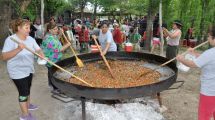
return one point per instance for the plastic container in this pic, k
(128, 47)
(41, 61)
(185, 43)
(183, 67)
(94, 49)
(192, 43)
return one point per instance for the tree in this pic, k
(52, 7)
(5, 16)
(197, 13)
(7, 9)
(152, 10)
(160, 27)
(100, 3)
(204, 4)
(96, 4)
(81, 5)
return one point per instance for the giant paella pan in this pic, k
(127, 66)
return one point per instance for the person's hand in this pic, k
(61, 30)
(41, 54)
(190, 50)
(68, 43)
(94, 37)
(165, 31)
(21, 46)
(179, 57)
(103, 53)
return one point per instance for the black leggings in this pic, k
(23, 86)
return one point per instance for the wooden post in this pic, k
(160, 26)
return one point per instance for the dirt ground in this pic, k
(182, 103)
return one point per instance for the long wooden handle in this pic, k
(171, 60)
(70, 45)
(184, 53)
(52, 63)
(104, 58)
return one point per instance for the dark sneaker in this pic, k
(32, 107)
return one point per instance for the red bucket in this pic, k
(192, 43)
(94, 48)
(128, 47)
(185, 42)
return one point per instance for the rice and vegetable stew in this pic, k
(125, 72)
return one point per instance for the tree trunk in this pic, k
(38, 8)
(5, 18)
(7, 12)
(202, 32)
(149, 29)
(82, 6)
(82, 12)
(160, 27)
(95, 9)
(23, 4)
(42, 16)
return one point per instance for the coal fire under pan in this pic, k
(167, 79)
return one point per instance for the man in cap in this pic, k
(173, 38)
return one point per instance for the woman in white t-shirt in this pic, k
(20, 63)
(106, 39)
(205, 61)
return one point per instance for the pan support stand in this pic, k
(162, 107)
(83, 106)
(159, 99)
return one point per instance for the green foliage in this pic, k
(32, 10)
(196, 12)
(199, 13)
(52, 7)
(16, 8)
(79, 3)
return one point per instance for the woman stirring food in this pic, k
(20, 64)
(53, 49)
(205, 61)
(106, 39)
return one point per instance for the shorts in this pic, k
(23, 85)
(156, 41)
(206, 107)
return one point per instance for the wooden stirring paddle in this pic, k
(78, 61)
(143, 74)
(104, 58)
(53, 63)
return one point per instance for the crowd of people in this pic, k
(111, 35)
(124, 31)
